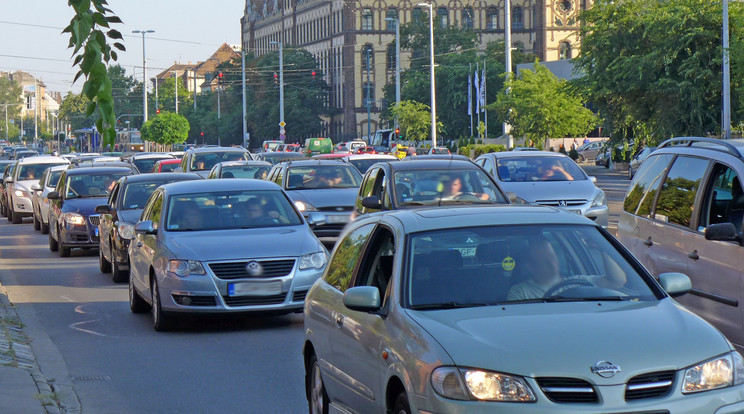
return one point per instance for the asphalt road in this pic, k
(614, 184)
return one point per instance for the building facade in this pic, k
(354, 41)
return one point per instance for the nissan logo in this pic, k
(605, 369)
(254, 268)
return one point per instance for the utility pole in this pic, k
(175, 79)
(144, 80)
(397, 63)
(281, 88)
(245, 122)
(366, 98)
(431, 74)
(726, 118)
(508, 64)
(36, 110)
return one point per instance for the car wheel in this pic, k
(136, 303)
(2, 208)
(64, 251)
(160, 320)
(630, 172)
(53, 245)
(44, 227)
(16, 218)
(118, 275)
(37, 225)
(317, 398)
(401, 404)
(103, 264)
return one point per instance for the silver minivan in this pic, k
(683, 213)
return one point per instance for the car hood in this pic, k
(129, 216)
(243, 243)
(25, 185)
(551, 190)
(326, 197)
(567, 339)
(83, 206)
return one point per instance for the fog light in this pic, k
(186, 301)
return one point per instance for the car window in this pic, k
(114, 195)
(344, 260)
(146, 164)
(53, 178)
(369, 182)
(677, 195)
(497, 264)
(156, 210)
(279, 176)
(205, 161)
(363, 164)
(642, 191)
(322, 176)
(32, 171)
(136, 194)
(724, 199)
(245, 171)
(430, 187)
(531, 169)
(97, 185)
(376, 268)
(168, 167)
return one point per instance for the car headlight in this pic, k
(599, 200)
(313, 261)
(22, 193)
(185, 268)
(303, 206)
(466, 384)
(720, 372)
(126, 230)
(74, 219)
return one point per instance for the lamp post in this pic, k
(144, 71)
(508, 64)
(726, 116)
(281, 87)
(431, 72)
(397, 63)
(175, 76)
(242, 73)
(368, 101)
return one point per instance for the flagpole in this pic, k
(477, 97)
(485, 110)
(470, 97)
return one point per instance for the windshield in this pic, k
(169, 167)
(363, 164)
(32, 171)
(432, 187)
(145, 165)
(522, 263)
(530, 169)
(258, 172)
(323, 176)
(91, 185)
(53, 178)
(230, 210)
(207, 160)
(136, 194)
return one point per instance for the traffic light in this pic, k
(219, 78)
(313, 73)
(276, 78)
(397, 132)
(202, 133)
(157, 111)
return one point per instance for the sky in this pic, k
(185, 31)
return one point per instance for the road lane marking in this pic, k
(77, 328)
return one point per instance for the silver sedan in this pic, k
(221, 246)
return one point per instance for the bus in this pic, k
(384, 140)
(130, 141)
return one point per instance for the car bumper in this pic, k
(79, 236)
(23, 206)
(211, 294)
(121, 255)
(334, 225)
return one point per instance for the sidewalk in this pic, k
(23, 390)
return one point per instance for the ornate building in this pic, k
(339, 33)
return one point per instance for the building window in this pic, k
(367, 19)
(492, 18)
(467, 18)
(391, 57)
(517, 18)
(369, 94)
(442, 17)
(391, 14)
(368, 58)
(564, 51)
(417, 15)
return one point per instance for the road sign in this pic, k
(282, 130)
(282, 137)
(282, 124)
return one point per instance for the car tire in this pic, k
(401, 404)
(53, 245)
(630, 173)
(37, 225)
(161, 321)
(17, 219)
(103, 265)
(117, 275)
(136, 303)
(64, 251)
(317, 397)
(44, 227)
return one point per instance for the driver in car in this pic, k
(453, 190)
(544, 276)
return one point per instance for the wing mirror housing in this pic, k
(722, 232)
(103, 209)
(372, 202)
(8, 180)
(35, 187)
(363, 298)
(145, 227)
(53, 195)
(675, 284)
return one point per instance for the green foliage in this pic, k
(539, 106)
(92, 52)
(166, 128)
(486, 149)
(414, 119)
(74, 108)
(481, 129)
(10, 95)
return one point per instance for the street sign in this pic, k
(282, 131)
(282, 137)
(282, 124)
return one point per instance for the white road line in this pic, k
(75, 327)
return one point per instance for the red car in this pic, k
(365, 150)
(166, 165)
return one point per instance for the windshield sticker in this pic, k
(508, 263)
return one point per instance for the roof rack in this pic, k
(723, 146)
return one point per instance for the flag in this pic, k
(470, 96)
(482, 91)
(476, 85)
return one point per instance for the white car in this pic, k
(362, 162)
(28, 171)
(39, 200)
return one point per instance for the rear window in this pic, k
(531, 169)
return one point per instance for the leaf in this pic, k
(114, 19)
(114, 56)
(114, 34)
(120, 46)
(90, 108)
(100, 20)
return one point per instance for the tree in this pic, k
(414, 119)
(10, 95)
(166, 128)
(540, 106)
(653, 67)
(73, 108)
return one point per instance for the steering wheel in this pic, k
(466, 197)
(567, 284)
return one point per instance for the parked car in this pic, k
(683, 212)
(548, 178)
(451, 311)
(201, 160)
(162, 166)
(439, 150)
(221, 246)
(589, 151)
(240, 169)
(146, 161)
(637, 160)
(603, 157)
(28, 171)
(72, 220)
(362, 162)
(325, 186)
(404, 185)
(119, 215)
(39, 200)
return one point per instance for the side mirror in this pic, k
(103, 209)
(512, 196)
(53, 195)
(675, 284)
(8, 180)
(372, 202)
(145, 227)
(316, 219)
(593, 179)
(362, 298)
(722, 232)
(35, 187)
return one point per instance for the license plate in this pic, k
(467, 251)
(269, 288)
(337, 219)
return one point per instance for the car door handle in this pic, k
(693, 255)
(648, 242)
(339, 320)
(139, 244)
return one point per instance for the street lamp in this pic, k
(144, 71)
(367, 98)
(219, 113)
(175, 75)
(431, 72)
(397, 63)
(726, 118)
(281, 89)
(508, 64)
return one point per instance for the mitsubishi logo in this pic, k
(605, 369)
(254, 268)
(562, 203)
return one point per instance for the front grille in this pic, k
(567, 390)
(79, 238)
(299, 296)
(651, 385)
(557, 203)
(336, 208)
(254, 300)
(195, 300)
(238, 270)
(94, 220)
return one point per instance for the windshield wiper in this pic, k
(448, 305)
(586, 299)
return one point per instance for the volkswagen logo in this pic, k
(562, 203)
(605, 369)
(254, 268)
